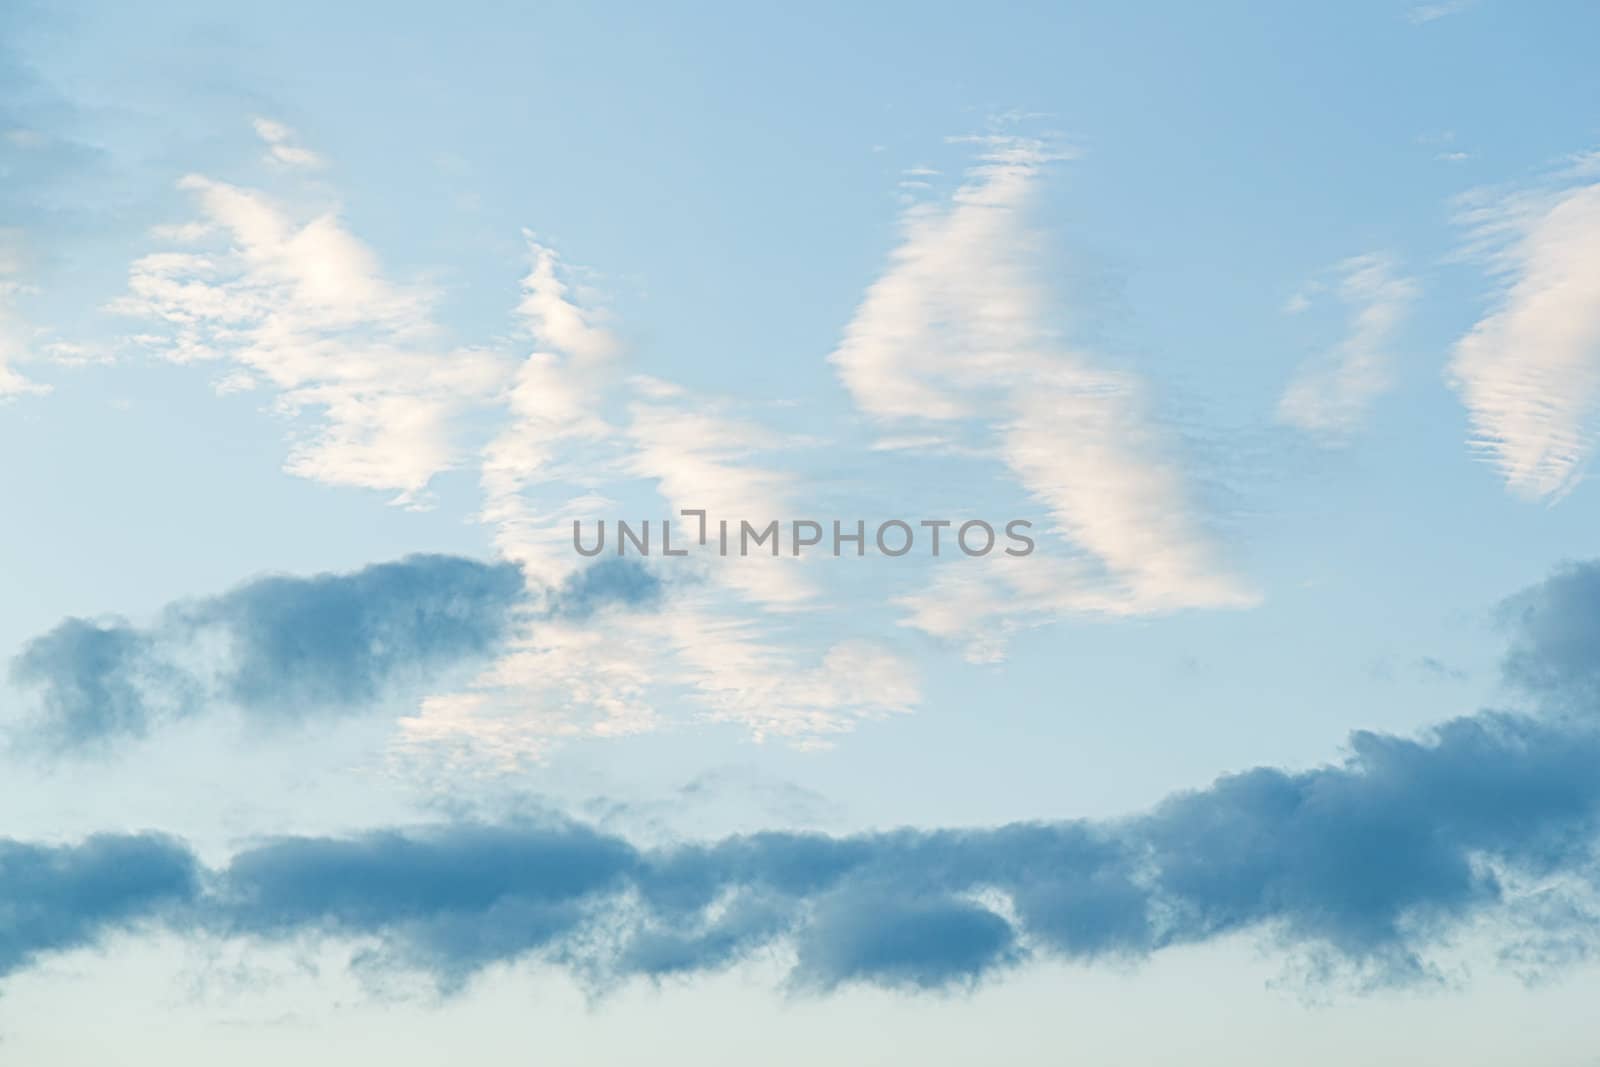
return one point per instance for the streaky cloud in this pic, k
(1330, 396)
(960, 331)
(1529, 369)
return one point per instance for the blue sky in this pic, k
(321, 324)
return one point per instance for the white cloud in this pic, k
(955, 337)
(14, 348)
(1298, 303)
(769, 690)
(302, 305)
(959, 329)
(701, 458)
(712, 649)
(15, 335)
(553, 403)
(631, 673)
(980, 607)
(282, 147)
(1331, 394)
(1529, 370)
(957, 316)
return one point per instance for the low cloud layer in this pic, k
(283, 647)
(1367, 867)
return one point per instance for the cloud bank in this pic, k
(1366, 867)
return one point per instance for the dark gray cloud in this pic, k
(95, 680)
(340, 640)
(608, 583)
(283, 647)
(1368, 866)
(61, 897)
(277, 646)
(1556, 632)
(891, 939)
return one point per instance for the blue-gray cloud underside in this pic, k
(284, 647)
(1368, 865)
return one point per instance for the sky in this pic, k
(1241, 360)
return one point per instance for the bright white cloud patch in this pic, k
(1332, 394)
(960, 329)
(301, 305)
(1529, 370)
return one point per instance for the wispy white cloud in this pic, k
(960, 330)
(283, 146)
(1529, 370)
(14, 348)
(956, 318)
(301, 305)
(15, 334)
(955, 342)
(553, 402)
(703, 458)
(758, 684)
(575, 425)
(694, 661)
(1300, 301)
(1332, 394)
